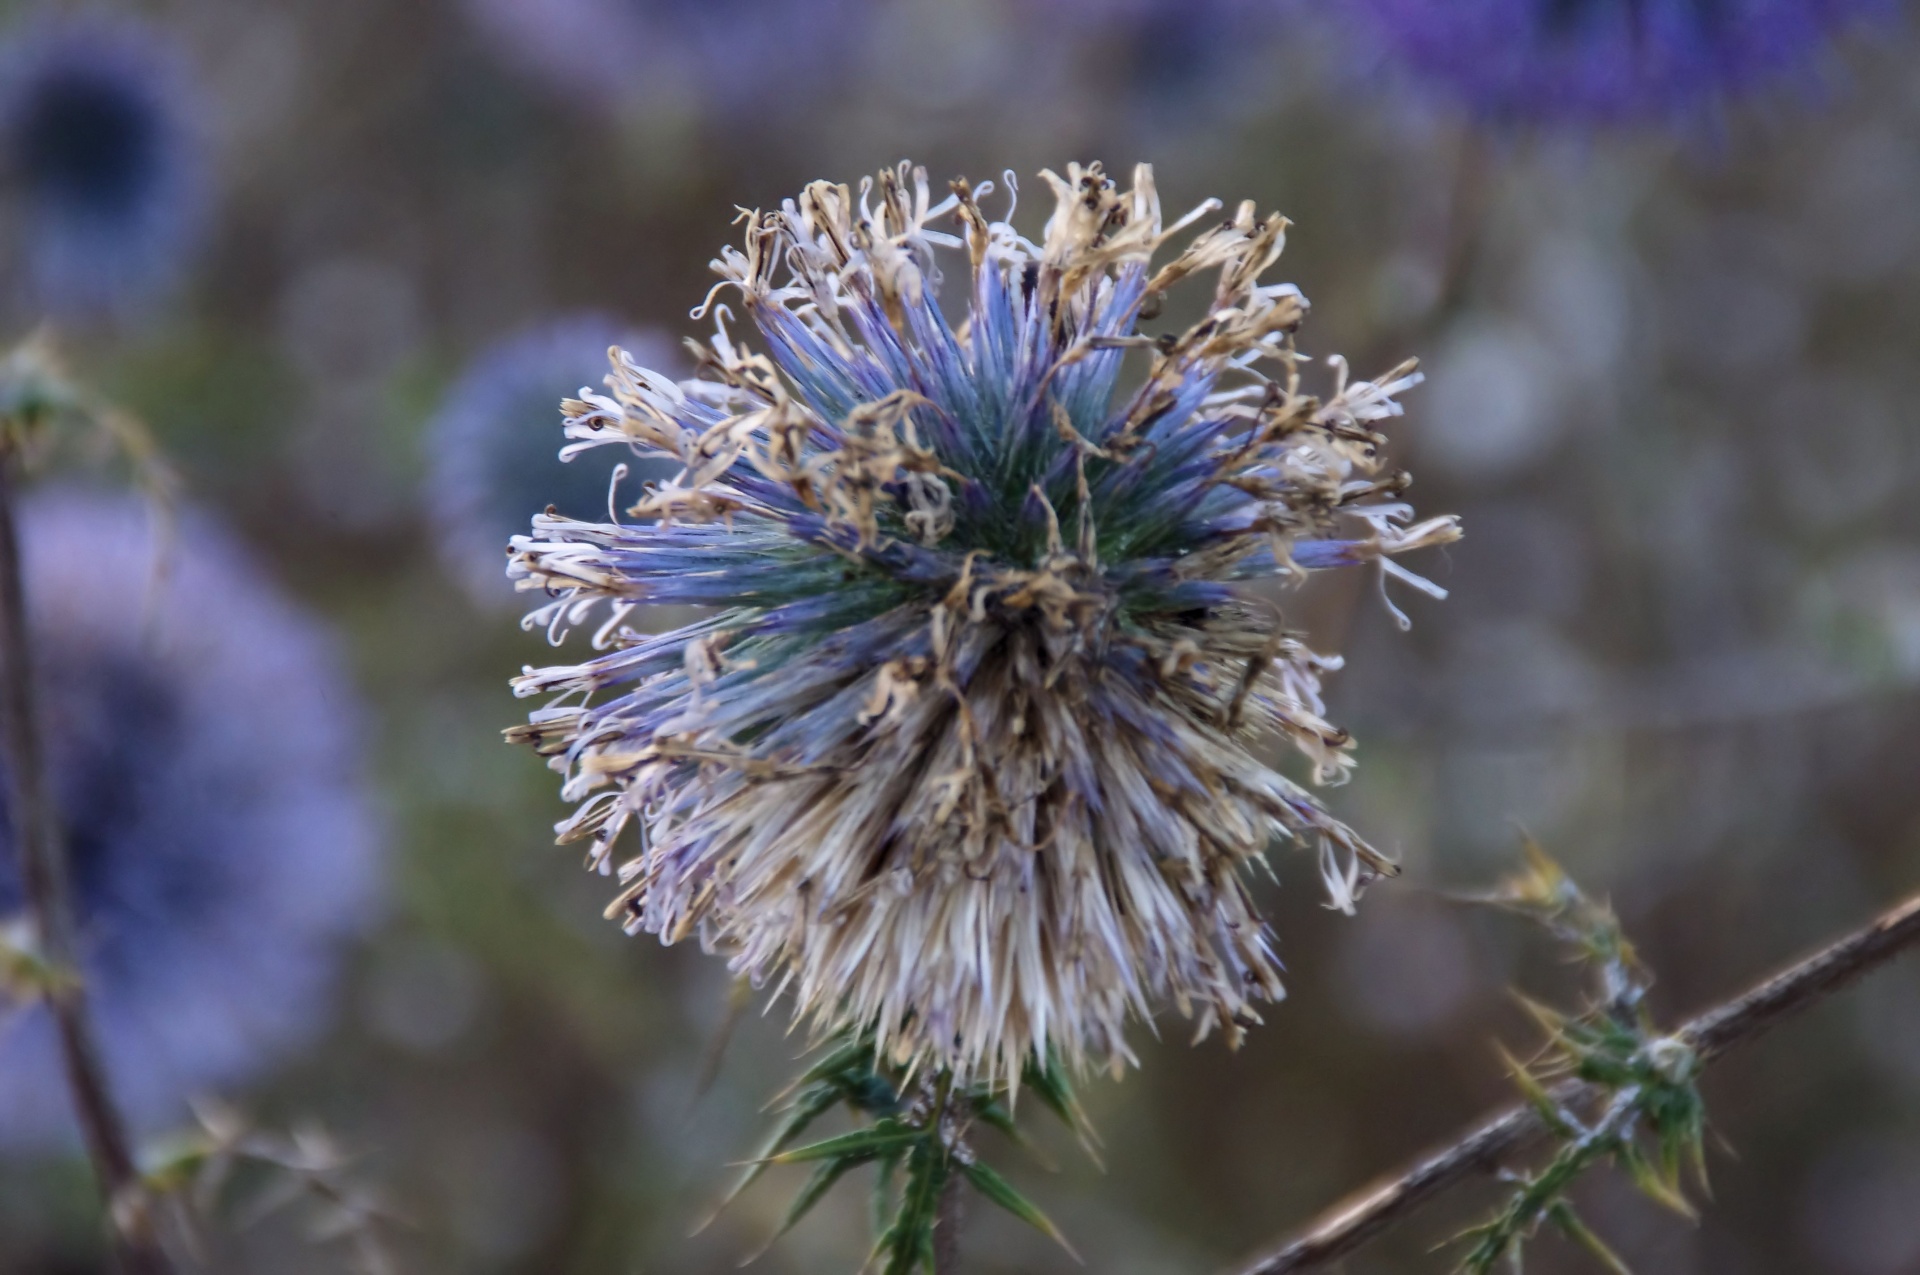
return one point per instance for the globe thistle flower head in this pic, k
(1605, 61)
(969, 754)
(491, 448)
(99, 155)
(201, 749)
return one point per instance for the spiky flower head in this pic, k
(98, 152)
(202, 748)
(971, 753)
(1603, 60)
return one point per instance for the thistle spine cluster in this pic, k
(968, 754)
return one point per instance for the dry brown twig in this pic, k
(37, 841)
(35, 392)
(1353, 1222)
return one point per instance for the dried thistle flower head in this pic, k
(969, 756)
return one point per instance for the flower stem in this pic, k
(946, 1232)
(1351, 1223)
(37, 841)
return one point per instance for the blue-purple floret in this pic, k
(988, 417)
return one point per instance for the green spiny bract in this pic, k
(1638, 1086)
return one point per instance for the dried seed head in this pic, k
(968, 755)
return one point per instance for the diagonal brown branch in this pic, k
(37, 842)
(1353, 1222)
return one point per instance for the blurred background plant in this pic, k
(220, 842)
(1671, 393)
(102, 162)
(486, 468)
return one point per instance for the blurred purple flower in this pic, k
(493, 446)
(1172, 58)
(728, 53)
(97, 152)
(1602, 60)
(203, 749)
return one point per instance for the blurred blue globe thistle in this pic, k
(975, 752)
(1602, 60)
(98, 155)
(1176, 62)
(203, 747)
(491, 445)
(725, 54)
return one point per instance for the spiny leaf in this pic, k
(1546, 870)
(1561, 1214)
(887, 1135)
(1614, 1046)
(883, 1192)
(1049, 1081)
(806, 1108)
(1539, 889)
(836, 1061)
(1550, 1020)
(1655, 1185)
(1492, 1242)
(994, 1114)
(908, 1240)
(817, 1185)
(1697, 1158)
(1670, 1151)
(1536, 1095)
(1001, 1192)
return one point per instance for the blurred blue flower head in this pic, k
(1176, 64)
(1604, 60)
(493, 450)
(100, 160)
(202, 746)
(974, 751)
(724, 54)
